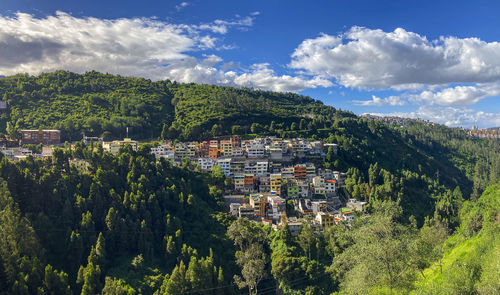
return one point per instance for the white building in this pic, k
(114, 146)
(225, 165)
(234, 209)
(287, 173)
(256, 150)
(330, 186)
(206, 164)
(356, 205)
(277, 207)
(318, 185)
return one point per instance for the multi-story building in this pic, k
(256, 150)
(114, 146)
(330, 187)
(356, 205)
(226, 147)
(310, 170)
(340, 177)
(237, 166)
(325, 219)
(300, 171)
(315, 147)
(325, 173)
(239, 182)
(234, 209)
(275, 182)
(262, 167)
(275, 154)
(318, 184)
(158, 150)
(47, 137)
(275, 167)
(204, 148)
(183, 150)
(287, 173)
(238, 152)
(277, 207)
(334, 147)
(279, 144)
(258, 203)
(303, 188)
(250, 183)
(246, 210)
(225, 165)
(264, 183)
(206, 164)
(213, 149)
(250, 167)
(292, 188)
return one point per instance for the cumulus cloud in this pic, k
(263, 77)
(368, 58)
(377, 101)
(143, 47)
(458, 95)
(259, 76)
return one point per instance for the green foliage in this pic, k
(378, 258)
(250, 256)
(471, 261)
(146, 227)
(122, 207)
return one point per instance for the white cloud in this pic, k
(451, 116)
(222, 26)
(458, 95)
(143, 47)
(265, 78)
(377, 101)
(366, 58)
(124, 46)
(181, 5)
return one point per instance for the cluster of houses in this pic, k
(395, 120)
(260, 165)
(492, 133)
(271, 209)
(266, 173)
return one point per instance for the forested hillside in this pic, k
(102, 104)
(423, 163)
(128, 224)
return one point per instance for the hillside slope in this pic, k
(423, 163)
(471, 265)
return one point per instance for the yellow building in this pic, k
(276, 182)
(226, 147)
(325, 219)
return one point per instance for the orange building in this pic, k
(300, 171)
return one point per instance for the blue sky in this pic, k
(437, 60)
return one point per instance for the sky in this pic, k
(434, 60)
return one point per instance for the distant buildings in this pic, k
(46, 137)
(114, 146)
(493, 133)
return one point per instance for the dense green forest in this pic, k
(131, 225)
